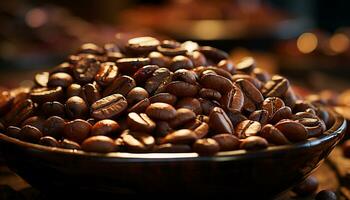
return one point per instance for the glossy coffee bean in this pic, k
(247, 128)
(161, 111)
(219, 71)
(290, 98)
(53, 108)
(136, 95)
(90, 48)
(307, 187)
(261, 75)
(252, 96)
(233, 100)
(172, 44)
(111, 47)
(121, 85)
(90, 93)
(49, 141)
(130, 65)
(157, 58)
(42, 95)
(77, 130)
(65, 67)
(19, 112)
(182, 89)
(173, 148)
(60, 79)
(109, 107)
(142, 45)
(138, 141)
(182, 116)
(140, 106)
(171, 51)
(206, 106)
(13, 131)
(206, 93)
(163, 98)
(144, 73)
(276, 87)
(54, 126)
(30, 134)
(36, 121)
(197, 58)
(201, 130)
(140, 122)
(73, 90)
(180, 62)
(105, 127)
(293, 131)
(206, 147)
(261, 116)
(226, 141)
(158, 77)
(68, 144)
(227, 65)
(271, 105)
(106, 74)
(86, 69)
(219, 121)
(216, 82)
(98, 144)
(253, 143)
(213, 54)
(182, 136)
(273, 135)
(76, 108)
(246, 65)
(41, 79)
(282, 113)
(190, 103)
(162, 128)
(326, 195)
(185, 76)
(257, 83)
(235, 117)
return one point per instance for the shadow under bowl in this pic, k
(256, 174)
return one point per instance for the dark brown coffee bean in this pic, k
(42, 95)
(140, 122)
(185, 76)
(249, 78)
(216, 82)
(19, 112)
(227, 142)
(182, 136)
(282, 113)
(159, 76)
(68, 144)
(86, 69)
(213, 54)
(219, 71)
(190, 46)
(13, 131)
(235, 117)
(121, 85)
(181, 89)
(219, 121)
(108, 107)
(233, 100)
(201, 130)
(294, 131)
(73, 90)
(91, 121)
(326, 195)
(302, 106)
(253, 143)
(137, 141)
(197, 58)
(111, 47)
(159, 59)
(114, 56)
(49, 141)
(170, 44)
(90, 93)
(261, 75)
(206, 93)
(77, 130)
(140, 106)
(273, 135)
(207, 105)
(190, 103)
(246, 65)
(247, 128)
(182, 116)
(271, 105)
(65, 67)
(42, 78)
(307, 187)
(131, 65)
(30, 134)
(252, 96)
(276, 87)
(162, 129)
(227, 65)
(164, 98)
(192, 125)
(98, 144)
(54, 126)
(90, 48)
(142, 45)
(105, 127)
(60, 79)
(36, 121)
(171, 51)
(180, 62)
(76, 107)
(161, 111)
(136, 95)
(172, 148)
(106, 74)
(206, 147)
(314, 125)
(144, 73)
(261, 116)
(53, 108)
(290, 98)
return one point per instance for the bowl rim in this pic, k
(335, 131)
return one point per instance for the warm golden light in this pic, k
(339, 43)
(36, 18)
(307, 42)
(208, 29)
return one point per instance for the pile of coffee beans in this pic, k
(150, 95)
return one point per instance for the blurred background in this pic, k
(308, 41)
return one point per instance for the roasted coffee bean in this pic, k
(182, 116)
(19, 112)
(90, 93)
(73, 90)
(227, 142)
(90, 48)
(77, 130)
(121, 85)
(65, 67)
(60, 79)
(290, 98)
(313, 125)
(246, 65)
(161, 111)
(190, 46)
(302, 106)
(108, 107)
(13, 131)
(219, 71)
(130, 65)
(163, 98)
(307, 187)
(207, 105)
(201, 130)
(162, 129)
(252, 96)
(140, 122)
(235, 117)
(86, 69)
(106, 74)
(49, 141)
(140, 106)
(30, 134)
(114, 56)
(105, 127)
(273, 135)
(99, 144)
(91, 121)
(234, 99)
(76, 108)
(158, 77)
(294, 131)
(249, 78)
(144, 73)
(185, 76)
(54, 126)
(35, 121)
(206, 147)
(53, 108)
(282, 113)
(181, 89)
(192, 125)
(158, 59)
(213, 54)
(247, 128)
(227, 65)
(253, 143)
(219, 121)
(190, 103)
(180, 62)
(182, 136)
(271, 105)
(111, 47)
(142, 45)
(172, 148)
(136, 95)
(68, 144)
(197, 58)
(216, 82)
(261, 75)
(326, 195)
(276, 87)
(138, 141)
(167, 51)
(206, 93)
(42, 95)
(41, 79)
(261, 116)
(170, 44)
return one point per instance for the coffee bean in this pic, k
(170, 44)
(19, 112)
(219, 71)
(121, 85)
(185, 76)
(290, 98)
(142, 45)
(140, 122)
(190, 103)
(111, 47)
(234, 99)
(49, 141)
(271, 105)
(326, 195)
(201, 130)
(261, 116)
(313, 124)
(216, 82)
(90, 48)
(253, 143)
(209, 94)
(90, 93)
(91, 121)
(36, 121)
(53, 108)
(159, 59)
(68, 144)
(140, 106)
(227, 142)
(261, 75)
(77, 130)
(206, 147)
(54, 126)
(246, 65)
(108, 107)
(219, 121)
(167, 51)
(235, 117)
(249, 78)
(197, 58)
(99, 144)
(180, 62)
(307, 187)
(105, 127)
(190, 46)
(13, 131)
(273, 135)
(162, 128)
(172, 148)
(182, 116)
(65, 67)
(76, 108)
(144, 73)
(30, 134)
(213, 54)
(282, 113)
(106, 74)
(42, 95)
(227, 65)
(137, 141)
(131, 65)
(86, 69)
(276, 87)
(182, 136)
(207, 105)
(252, 96)
(161, 111)
(294, 131)
(158, 77)
(41, 79)
(163, 98)
(135, 95)
(60, 79)
(247, 128)
(73, 90)
(181, 89)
